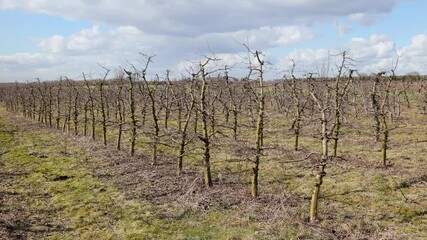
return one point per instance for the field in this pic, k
(102, 159)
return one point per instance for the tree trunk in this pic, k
(259, 126)
(103, 114)
(321, 173)
(205, 138)
(132, 115)
(384, 142)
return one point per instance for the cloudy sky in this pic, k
(47, 39)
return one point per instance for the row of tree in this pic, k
(176, 114)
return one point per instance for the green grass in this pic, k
(90, 209)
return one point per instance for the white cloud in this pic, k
(376, 46)
(342, 29)
(290, 35)
(123, 43)
(191, 18)
(26, 60)
(24, 66)
(413, 58)
(87, 40)
(180, 30)
(373, 54)
(417, 47)
(262, 37)
(93, 41)
(362, 18)
(308, 56)
(307, 60)
(54, 44)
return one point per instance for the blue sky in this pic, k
(21, 29)
(47, 39)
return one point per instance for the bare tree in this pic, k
(151, 91)
(76, 109)
(102, 105)
(300, 103)
(324, 110)
(339, 93)
(205, 138)
(258, 68)
(91, 106)
(58, 103)
(384, 114)
(187, 107)
(235, 103)
(376, 105)
(132, 111)
(120, 111)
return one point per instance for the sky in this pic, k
(49, 39)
